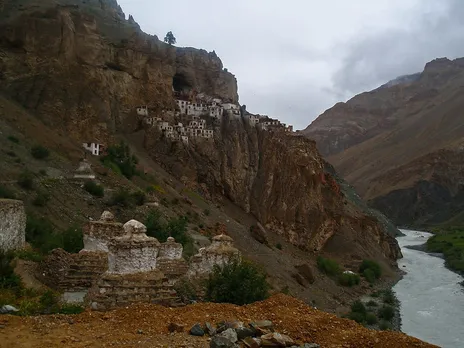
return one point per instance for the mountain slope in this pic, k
(408, 156)
(79, 70)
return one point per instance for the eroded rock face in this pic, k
(278, 177)
(12, 225)
(52, 53)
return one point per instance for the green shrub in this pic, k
(348, 279)
(73, 240)
(328, 266)
(70, 309)
(11, 153)
(175, 201)
(237, 283)
(358, 307)
(8, 278)
(372, 303)
(207, 212)
(161, 230)
(164, 201)
(186, 290)
(6, 193)
(279, 246)
(40, 152)
(41, 199)
(389, 297)
(120, 156)
(29, 255)
(139, 197)
(29, 307)
(43, 172)
(40, 233)
(385, 325)
(373, 266)
(371, 319)
(26, 180)
(122, 197)
(386, 312)
(369, 275)
(94, 189)
(13, 139)
(356, 316)
(49, 301)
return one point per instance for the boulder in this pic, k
(307, 272)
(276, 339)
(8, 309)
(197, 330)
(259, 234)
(210, 329)
(251, 342)
(243, 332)
(230, 335)
(222, 342)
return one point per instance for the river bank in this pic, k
(431, 298)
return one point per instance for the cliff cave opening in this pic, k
(181, 84)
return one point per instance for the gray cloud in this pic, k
(294, 59)
(371, 60)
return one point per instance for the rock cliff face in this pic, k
(277, 177)
(82, 68)
(401, 145)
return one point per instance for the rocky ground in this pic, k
(148, 326)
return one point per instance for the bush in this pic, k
(389, 297)
(328, 266)
(279, 246)
(40, 234)
(8, 279)
(40, 152)
(41, 199)
(186, 290)
(13, 139)
(386, 312)
(6, 193)
(139, 197)
(120, 156)
(385, 325)
(11, 153)
(26, 180)
(29, 255)
(94, 189)
(122, 198)
(373, 266)
(369, 275)
(237, 283)
(70, 309)
(49, 301)
(175, 201)
(207, 212)
(72, 240)
(175, 227)
(372, 303)
(348, 279)
(357, 317)
(358, 307)
(371, 319)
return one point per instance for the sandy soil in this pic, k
(146, 326)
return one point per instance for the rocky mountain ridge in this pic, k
(79, 70)
(393, 142)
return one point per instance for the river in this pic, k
(432, 300)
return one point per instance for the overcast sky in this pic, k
(293, 59)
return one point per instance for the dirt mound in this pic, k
(147, 326)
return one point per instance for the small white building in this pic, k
(183, 105)
(207, 133)
(184, 139)
(216, 112)
(254, 120)
(94, 148)
(142, 110)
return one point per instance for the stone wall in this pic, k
(98, 234)
(12, 225)
(120, 264)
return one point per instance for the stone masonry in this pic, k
(12, 225)
(120, 265)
